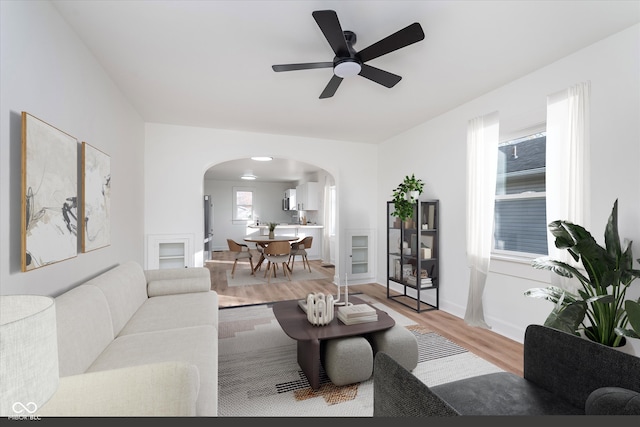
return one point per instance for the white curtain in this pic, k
(567, 165)
(482, 164)
(327, 220)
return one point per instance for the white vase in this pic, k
(413, 195)
(631, 346)
(320, 309)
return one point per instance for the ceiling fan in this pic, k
(349, 62)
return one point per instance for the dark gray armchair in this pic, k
(563, 375)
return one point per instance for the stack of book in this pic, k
(357, 313)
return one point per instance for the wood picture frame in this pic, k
(96, 198)
(49, 184)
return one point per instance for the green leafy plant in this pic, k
(411, 183)
(633, 314)
(403, 201)
(600, 310)
(272, 226)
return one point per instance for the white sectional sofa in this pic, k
(138, 343)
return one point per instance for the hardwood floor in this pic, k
(499, 350)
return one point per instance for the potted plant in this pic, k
(272, 227)
(600, 310)
(405, 196)
(633, 313)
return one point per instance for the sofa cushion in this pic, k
(125, 288)
(180, 273)
(84, 328)
(174, 311)
(175, 286)
(574, 368)
(613, 401)
(399, 393)
(196, 345)
(502, 393)
(155, 390)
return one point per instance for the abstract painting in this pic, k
(96, 196)
(49, 194)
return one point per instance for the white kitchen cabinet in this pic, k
(308, 196)
(169, 251)
(300, 196)
(290, 203)
(360, 252)
(315, 252)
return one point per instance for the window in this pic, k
(520, 223)
(332, 210)
(242, 204)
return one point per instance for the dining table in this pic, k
(263, 241)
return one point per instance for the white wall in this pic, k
(48, 72)
(438, 153)
(176, 158)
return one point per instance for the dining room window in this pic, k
(242, 203)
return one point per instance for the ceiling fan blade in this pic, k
(306, 66)
(406, 36)
(328, 22)
(379, 76)
(332, 87)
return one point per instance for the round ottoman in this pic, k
(399, 343)
(348, 360)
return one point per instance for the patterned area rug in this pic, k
(259, 376)
(243, 277)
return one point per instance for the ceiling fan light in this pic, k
(347, 69)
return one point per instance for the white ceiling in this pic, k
(208, 63)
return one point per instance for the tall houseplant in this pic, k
(404, 196)
(600, 310)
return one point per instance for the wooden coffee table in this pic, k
(295, 324)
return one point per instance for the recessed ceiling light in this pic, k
(262, 158)
(248, 174)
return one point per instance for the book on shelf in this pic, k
(431, 216)
(359, 319)
(356, 310)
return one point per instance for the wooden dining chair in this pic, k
(277, 253)
(299, 248)
(260, 250)
(240, 251)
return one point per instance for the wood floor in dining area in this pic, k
(497, 349)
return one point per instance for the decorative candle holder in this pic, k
(320, 309)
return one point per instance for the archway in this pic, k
(271, 181)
